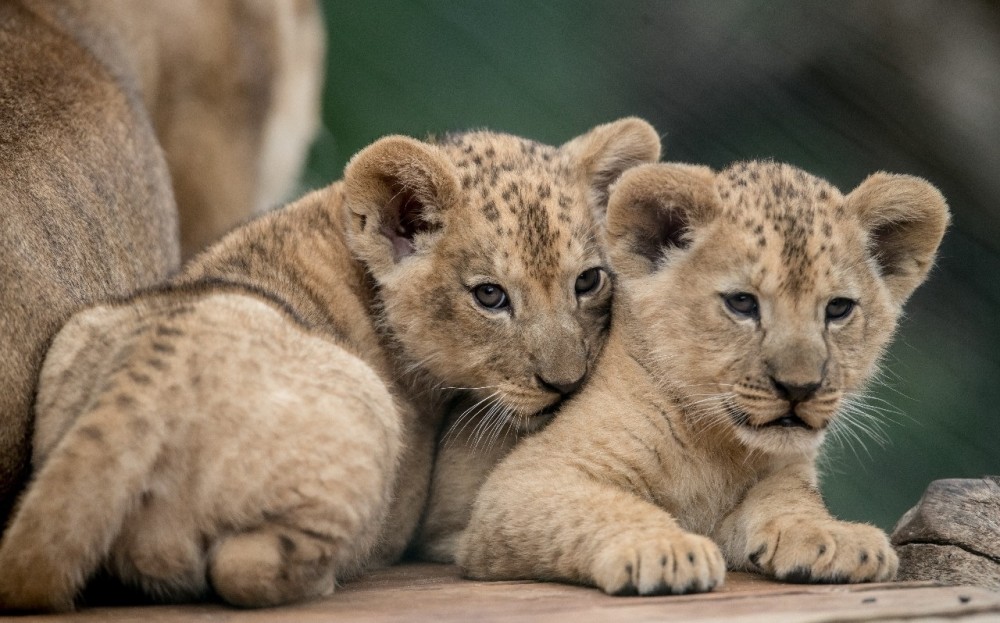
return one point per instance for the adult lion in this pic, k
(108, 111)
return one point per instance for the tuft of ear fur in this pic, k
(395, 191)
(651, 209)
(905, 218)
(608, 150)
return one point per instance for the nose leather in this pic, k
(564, 388)
(794, 393)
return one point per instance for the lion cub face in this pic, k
(768, 296)
(487, 251)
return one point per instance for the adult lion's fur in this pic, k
(108, 111)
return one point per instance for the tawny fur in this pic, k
(110, 109)
(683, 454)
(232, 90)
(265, 423)
(475, 438)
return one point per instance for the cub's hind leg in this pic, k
(272, 565)
(303, 483)
(161, 550)
(95, 442)
(75, 507)
(325, 502)
(282, 477)
(318, 530)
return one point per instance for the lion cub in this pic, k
(264, 424)
(751, 303)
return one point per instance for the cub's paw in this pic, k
(272, 566)
(796, 549)
(661, 562)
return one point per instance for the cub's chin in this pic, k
(514, 410)
(527, 410)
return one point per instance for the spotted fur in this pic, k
(692, 446)
(263, 425)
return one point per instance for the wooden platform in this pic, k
(426, 592)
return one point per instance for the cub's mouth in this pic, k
(549, 410)
(789, 420)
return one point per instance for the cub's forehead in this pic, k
(490, 161)
(793, 223)
(483, 147)
(777, 192)
(527, 199)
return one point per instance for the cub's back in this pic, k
(214, 369)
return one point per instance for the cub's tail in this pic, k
(76, 503)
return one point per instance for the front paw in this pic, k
(658, 563)
(797, 549)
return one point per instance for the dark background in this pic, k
(841, 89)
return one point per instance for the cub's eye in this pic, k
(491, 296)
(742, 304)
(839, 308)
(588, 281)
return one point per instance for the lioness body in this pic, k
(332, 333)
(108, 110)
(230, 88)
(692, 446)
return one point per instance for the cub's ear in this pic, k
(652, 208)
(395, 192)
(607, 151)
(905, 218)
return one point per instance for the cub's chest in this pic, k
(698, 494)
(697, 483)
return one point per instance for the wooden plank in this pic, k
(427, 592)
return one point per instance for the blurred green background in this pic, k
(841, 89)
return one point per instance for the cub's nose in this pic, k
(793, 392)
(562, 387)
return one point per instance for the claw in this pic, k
(754, 557)
(659, 589)
(629, 590)
(798, 575)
